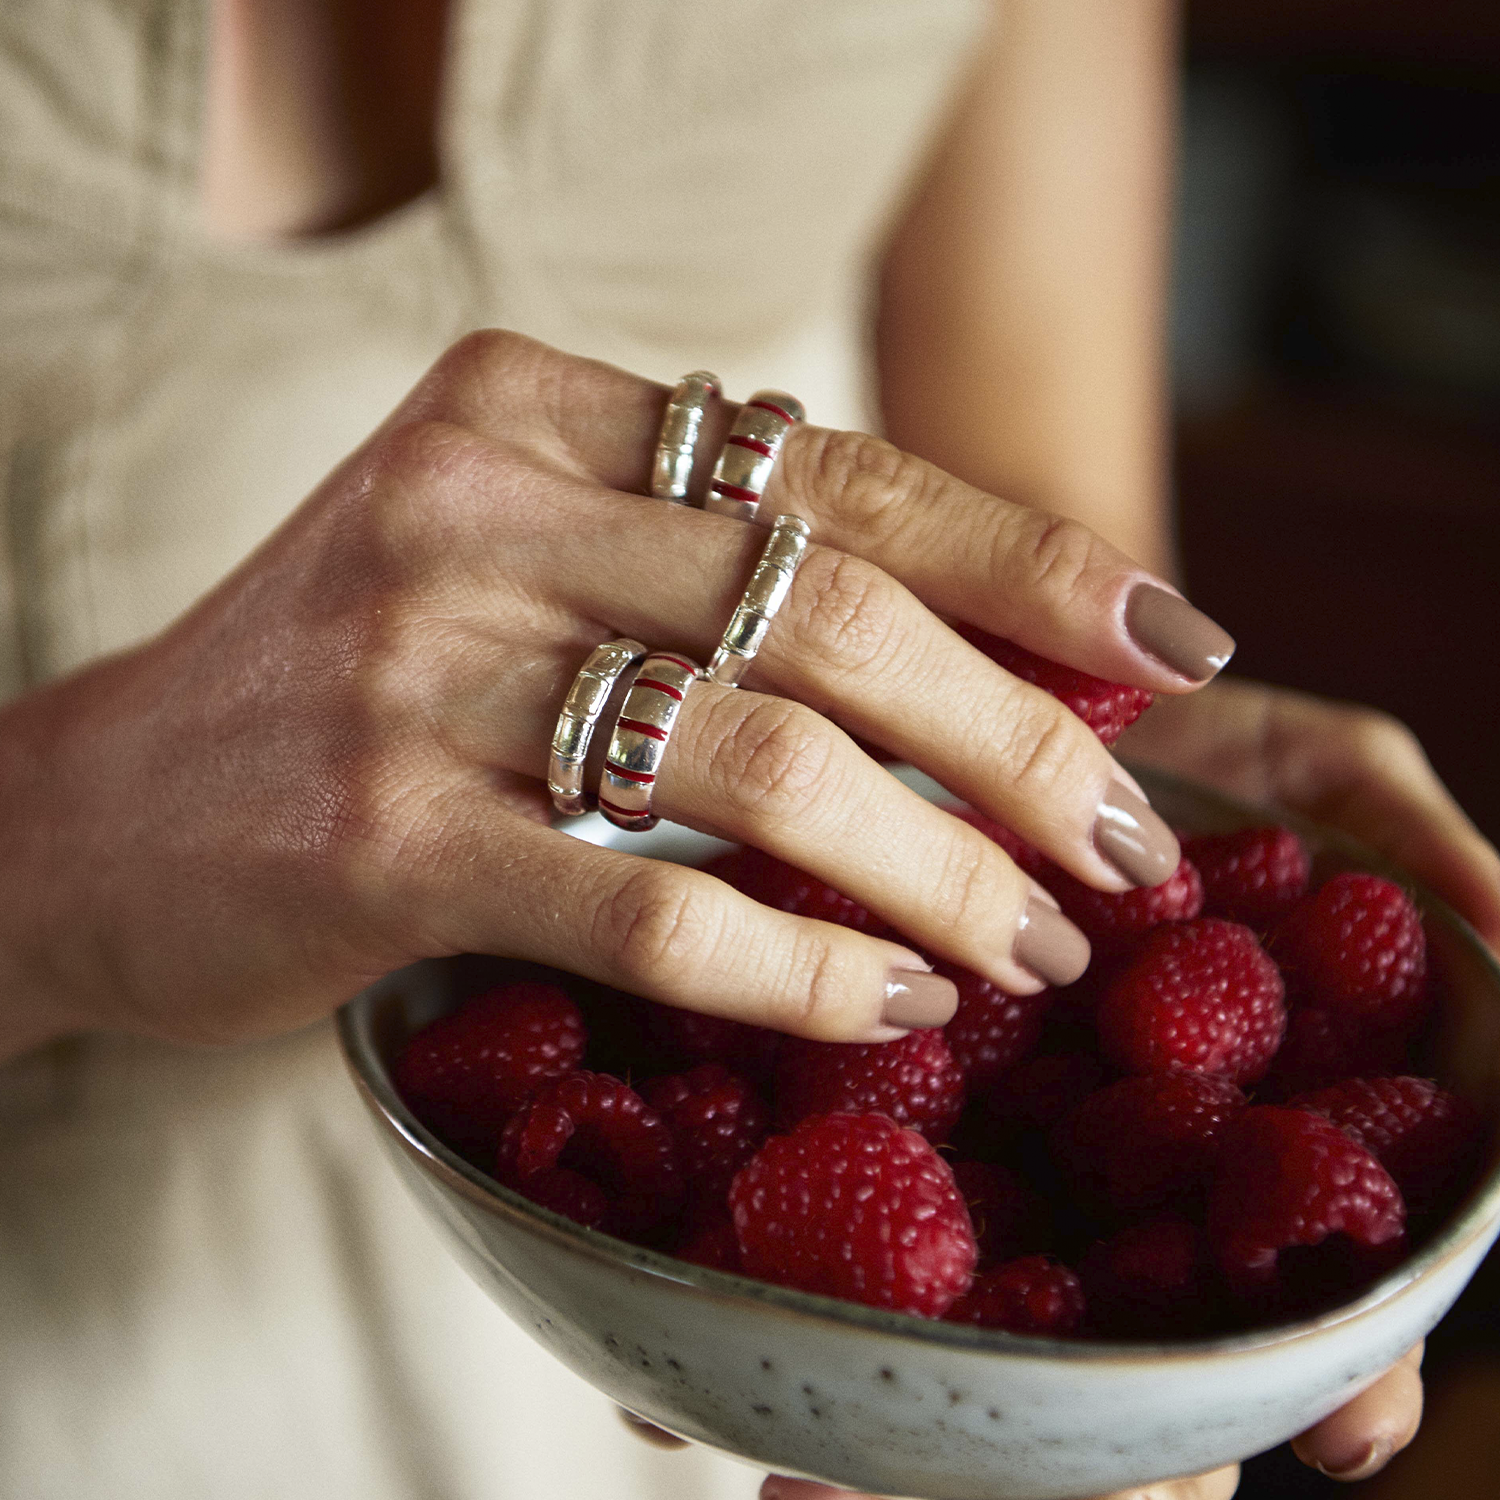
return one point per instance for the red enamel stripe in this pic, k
(641, 778)
(641, 728)
(735, 492)
(785, 416)
(753, 444)
(624, 812)
(677, 661)
(661, 687)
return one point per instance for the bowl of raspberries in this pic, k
(1138, 1227)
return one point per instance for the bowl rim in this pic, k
(1479, 1213)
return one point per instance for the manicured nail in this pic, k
(649, 1432)
(1049, 945)
(915, 999)
(1133, 839)
(1166, 626)
(1360, 1465)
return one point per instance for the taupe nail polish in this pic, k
(1049, 945)
(1167, 627)
(1133, 839)
(918, 1000)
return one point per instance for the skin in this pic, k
(1019, 340)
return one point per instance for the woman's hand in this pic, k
(334, 763)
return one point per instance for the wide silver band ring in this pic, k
(766, 592)
(750, 452)
(581, 711)
(672, 469)
(639, 739)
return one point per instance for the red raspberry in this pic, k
(1108, 708)
(1113, 920)
(1033, 1295)
(1147, 1141)
(1288, 1178)
(1356, 947)
(1254, 875)
(991, 1030)
(1425, 1137)
(685, 1038)
(1151, 1280)
(467, 1073)
(854, 1206)
(714, 1245)
(1322, 1048)
(1009, 1219)
(569, 1194)
(773, 882)
(914, 1080)
(1198, 995)
(716, 1119)
(1029, 859)
(1041, 1091)
(597, 1127)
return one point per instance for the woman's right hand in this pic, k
(333, 764)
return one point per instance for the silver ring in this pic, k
(764, 595)
(672, 470)
(581, 711)
(639, 739)
(749, 453)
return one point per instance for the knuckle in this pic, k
(1045, 749)
(1378, 737)
(484, 356)
(862, 484)
(1047, 552)
(845, 612)
(658, 926)
(818, 992)
(964, 900)
(773, 762)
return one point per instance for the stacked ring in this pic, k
(581, 711)
(749, 453)
(639, 739)
(672, 470)
(763, 597)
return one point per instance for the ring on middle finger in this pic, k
(639, 739)
(672, 468)
(763, 597)
(750, 452)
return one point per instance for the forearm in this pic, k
(1021, 320)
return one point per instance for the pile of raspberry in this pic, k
(1219, 1126)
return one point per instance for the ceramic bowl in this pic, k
(897, 1405)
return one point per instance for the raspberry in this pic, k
(773, 882)
(1113, 920)
(596, 1127)
(1041, 1091)
(1032, 1295)
(1198, 995)
(1009, 1219)
(1147, 1141)
(914, 1080)
(1108, 708)
(569, 1194)
(714, 1245)
(1254, 875)
(466, 1074)
(684, 1039)
(991, 1030)
(1322, 1048)
(1288, 1178)
(1151, 1279)
(1020, 851)
(716, 1119)
(1425, 1137)
(854, 1206)
(1356, 947)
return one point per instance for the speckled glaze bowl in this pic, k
(897, 1405)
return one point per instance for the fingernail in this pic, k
(1133, 839)
(915, 999)
(1367, 1461)
(1049, 945)
(1166, 626)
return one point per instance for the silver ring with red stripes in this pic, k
(672, 469)
(764, 596)
(749, 453)
(581, 711)
(639, 739)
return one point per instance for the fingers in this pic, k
(482, 881)
(1220, 1485)
(1359, 1439)
(649, 1432)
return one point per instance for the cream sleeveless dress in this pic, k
(211, 1285)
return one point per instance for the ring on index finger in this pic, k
(750, 452)
(672, 469)
(764, 596)
(581, 711)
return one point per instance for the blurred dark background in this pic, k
(1337, 356)
(1336, 349)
